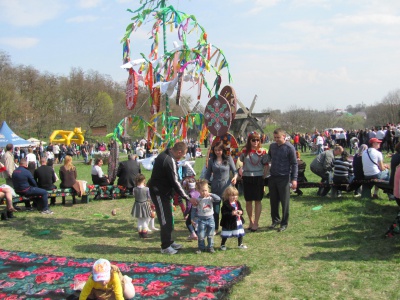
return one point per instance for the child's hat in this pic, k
(101, 270)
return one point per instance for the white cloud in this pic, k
(29, 13)
(258, 6)
(89, 3)
(368, 19)
(82, 19)
(20, 43)
(307, 27)
(314, 3)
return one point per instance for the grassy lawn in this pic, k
(336, 252)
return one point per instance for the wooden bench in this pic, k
(366, 184)
(92, 191)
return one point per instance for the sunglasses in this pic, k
(255, 140)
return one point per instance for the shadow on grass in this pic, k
(107, 249)
(362, 237)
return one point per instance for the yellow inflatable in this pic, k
(67, 137)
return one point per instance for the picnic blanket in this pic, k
(25, 275)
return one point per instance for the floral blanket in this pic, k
(26, 275)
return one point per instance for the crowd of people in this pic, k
(388, 134)
(212, 203)
(281, 162)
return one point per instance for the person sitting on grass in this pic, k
(107, 282)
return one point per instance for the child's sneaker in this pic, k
(211, 250)
(199, 251)
(242, 246)
(223, 248)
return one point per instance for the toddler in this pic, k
(107, 282)
(141, 208)
(232, 218)
(191, 211)
(205, 213)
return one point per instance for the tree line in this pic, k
(360, 116)
(35, 103)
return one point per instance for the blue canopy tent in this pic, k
(7, 136)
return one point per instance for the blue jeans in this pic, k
(205, 228)
(35, 191)
(384, 175)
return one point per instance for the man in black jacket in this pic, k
(163, 184)
(127, 171)
(46, 177)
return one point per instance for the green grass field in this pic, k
(336, 252)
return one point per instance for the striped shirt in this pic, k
(342, 169)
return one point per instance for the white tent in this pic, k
(36, 141)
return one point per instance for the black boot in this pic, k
(10, 215)
(4, 216)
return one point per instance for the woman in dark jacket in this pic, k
(68, 176)
(219, 168)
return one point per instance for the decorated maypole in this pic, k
(164, 73)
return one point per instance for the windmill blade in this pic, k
(253, 103)
(243, 126)
(255, 123)
(245, 110)
(195, 108)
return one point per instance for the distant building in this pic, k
(99, 130)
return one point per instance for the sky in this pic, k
(311, 54)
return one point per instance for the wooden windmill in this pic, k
(246, 121)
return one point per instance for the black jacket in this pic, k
(164, 178)
(228, 221)
(45, 177)
(127, 171)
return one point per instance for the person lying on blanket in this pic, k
(107, 282)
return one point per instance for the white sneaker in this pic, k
(155, 229)
(169, 250)
(242, 246)
(223, 248)
(176, 246)
(47, 212)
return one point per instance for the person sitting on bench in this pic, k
(342, 170)
(373, 166)
(301, 177)
(322, 165)
(6, 192)
(25, 185)
(98, 176)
